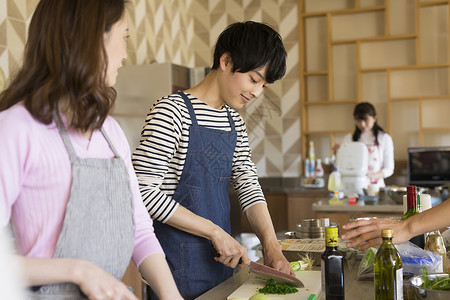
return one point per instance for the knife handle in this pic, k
(216, 254)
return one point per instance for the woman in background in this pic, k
(67, 184)
(378, 142)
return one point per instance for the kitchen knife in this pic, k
(280, 277)
(268, 272)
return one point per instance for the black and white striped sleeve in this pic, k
(152, 158)
(244, 176)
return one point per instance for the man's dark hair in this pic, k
(252, 45)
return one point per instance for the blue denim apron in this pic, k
(203, 189)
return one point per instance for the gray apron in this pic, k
(99, 221)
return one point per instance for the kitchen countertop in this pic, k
(323, 205)
(354, 289)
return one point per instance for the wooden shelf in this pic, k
(433, 3)
(422, 98)
(332, 102)
(401, 68)
(315, 73)
(435, 128)
(376, 39)
(328, 132)
(339, 62)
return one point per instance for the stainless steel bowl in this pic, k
(422, 293)
(290, 235)
(315, 222)
(396, 193)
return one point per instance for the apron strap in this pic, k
(230, 119)
(111, 145)
(189, 107)
(192, 113)
(65, 136)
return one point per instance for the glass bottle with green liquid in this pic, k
(388, 270)
(413, 203)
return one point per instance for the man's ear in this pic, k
(225, 61)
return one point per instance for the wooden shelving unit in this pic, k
(392, 53)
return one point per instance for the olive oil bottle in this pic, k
(332, 266)
(388, 270)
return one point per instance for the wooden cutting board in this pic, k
(311, 280)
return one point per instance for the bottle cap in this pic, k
(388, 233)
(331, 236)
(411, 190)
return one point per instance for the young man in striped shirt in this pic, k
(193, 144)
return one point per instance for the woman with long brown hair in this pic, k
(67, 184)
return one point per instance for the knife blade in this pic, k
(280, 277)
(268, 272)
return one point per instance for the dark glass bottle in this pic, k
(388, 270)
(413, 209)
(332, 266)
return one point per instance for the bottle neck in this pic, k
(411, 199)
(387, 241)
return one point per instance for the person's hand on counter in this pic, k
(274, 258)
(375, 175)
(367, 233)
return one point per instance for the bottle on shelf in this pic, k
(312, 159)
(412, 209)
(332, 266)
(319, 168)
(388, 269)
(335, 187)
(307, 168)
(433, 240)
(319, 181)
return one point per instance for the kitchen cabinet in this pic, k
(393, 54)
(287, 207)
(299, 205)
(277, 206)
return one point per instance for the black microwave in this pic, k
(429, 166)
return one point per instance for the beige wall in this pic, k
(184, 32)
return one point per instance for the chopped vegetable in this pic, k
(305, 263)
(272, 287)
(440, 283)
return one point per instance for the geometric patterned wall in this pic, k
(184, 32)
